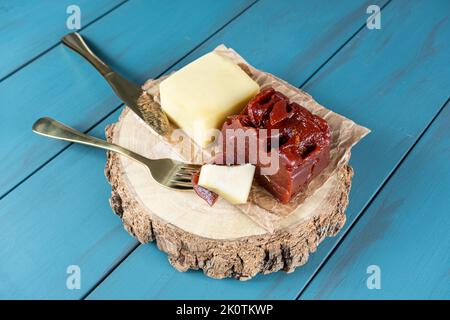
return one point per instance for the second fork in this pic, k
(167, 172)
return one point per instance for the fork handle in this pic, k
(51, 128)
(76, 42)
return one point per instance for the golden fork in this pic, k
(167, 172)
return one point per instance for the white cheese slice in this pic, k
(233, 183)
(202, 94)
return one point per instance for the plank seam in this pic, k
(55, 155)
(372, 199)
(339, 49)
(44, 52)
(114, 267)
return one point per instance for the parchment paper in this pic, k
(262, 207)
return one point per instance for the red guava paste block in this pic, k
(304, 142)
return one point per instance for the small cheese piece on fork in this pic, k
(200, 96)
(233, 183)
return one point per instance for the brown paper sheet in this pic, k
(262, 207)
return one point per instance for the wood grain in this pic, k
(42, 235)
(28, 28)
(405, 232)
(221, 240)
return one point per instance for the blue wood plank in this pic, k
(28, 28)
(293, 39)
(403, 85)
(147, 274)
(46, 227)
(142, 38)
(385, 79)
(405, 232)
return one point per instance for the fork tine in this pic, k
(179, 179)
(174, 174)
(180, 185)
(189, 172)
(182, 188)
(185, 175)
(186, 171)
(189, 167)
(182, 182)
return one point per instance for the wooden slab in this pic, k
(220, 240)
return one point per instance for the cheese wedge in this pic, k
(200, 96)
(233, 183)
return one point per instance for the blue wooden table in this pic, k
(55, 219)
